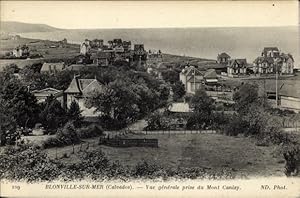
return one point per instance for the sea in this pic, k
(238, 42)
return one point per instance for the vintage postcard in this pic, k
(149, 99)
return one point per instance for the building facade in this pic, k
(223, 58)
(192, 78)
(81, 89)
(237, 67)
(272, 60)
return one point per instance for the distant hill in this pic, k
(18, 27)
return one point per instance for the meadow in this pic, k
(210, 151)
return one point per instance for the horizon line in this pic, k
(168, 27)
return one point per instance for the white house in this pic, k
(81, 89)
(192, 78)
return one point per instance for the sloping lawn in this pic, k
(212, 151)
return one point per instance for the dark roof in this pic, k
(286, 57)
(79, 86)
(223, 55)
(267, 49)
(270, 60)
(241, 62)
(117, 41)
(270, 49)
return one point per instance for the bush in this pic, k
(92, 130)
(63, 137)
(30, 164)
(291, 153)
(235, 126)
(158, 121)
(67, 135)
(26, 162)
(144, 169)
(52, 142)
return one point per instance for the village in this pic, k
(121, 94)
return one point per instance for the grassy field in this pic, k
(212, 151)
(37, 46)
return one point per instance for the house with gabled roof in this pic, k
(286, 63)
(210, 77)
(223, 58)
(85, 47)
(272, 60)
(192, 78)
(53, 67)
(43, 94)
(79, 90)
(101, 58)
(237, 67)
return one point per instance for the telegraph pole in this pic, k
(194, 80)
(276, 81)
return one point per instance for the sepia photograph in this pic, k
(139, 98)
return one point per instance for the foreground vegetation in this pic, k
(28, 163)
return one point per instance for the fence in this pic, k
(170, 132)
(66, 152)
(122, 142)
(116, 141)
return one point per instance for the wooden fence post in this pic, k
(56, 153)
(88, 145)
(73, 151)
(80, 146)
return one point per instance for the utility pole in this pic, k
(194, 80)
(265, 93)
(276, 81)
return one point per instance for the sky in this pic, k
(151, 14)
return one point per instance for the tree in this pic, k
(245, 96)
(170, 76)
(164, 92)
(53, 115)
(202, 115)
(21, 102)
(117, 103)
(67, 134)
(202, 103)
(8, 134)
(74, 114)
(178, 90)
(157, 121)
(9, 71)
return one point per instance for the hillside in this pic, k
(37, 46)
(18, 27)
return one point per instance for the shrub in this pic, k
(92, 130)
(63, 137)
(235, 126)
(144, 169)
(291, 154)
(158, 121)
(52, 142)
(26, 162)
(67, 135)
(30, 164)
